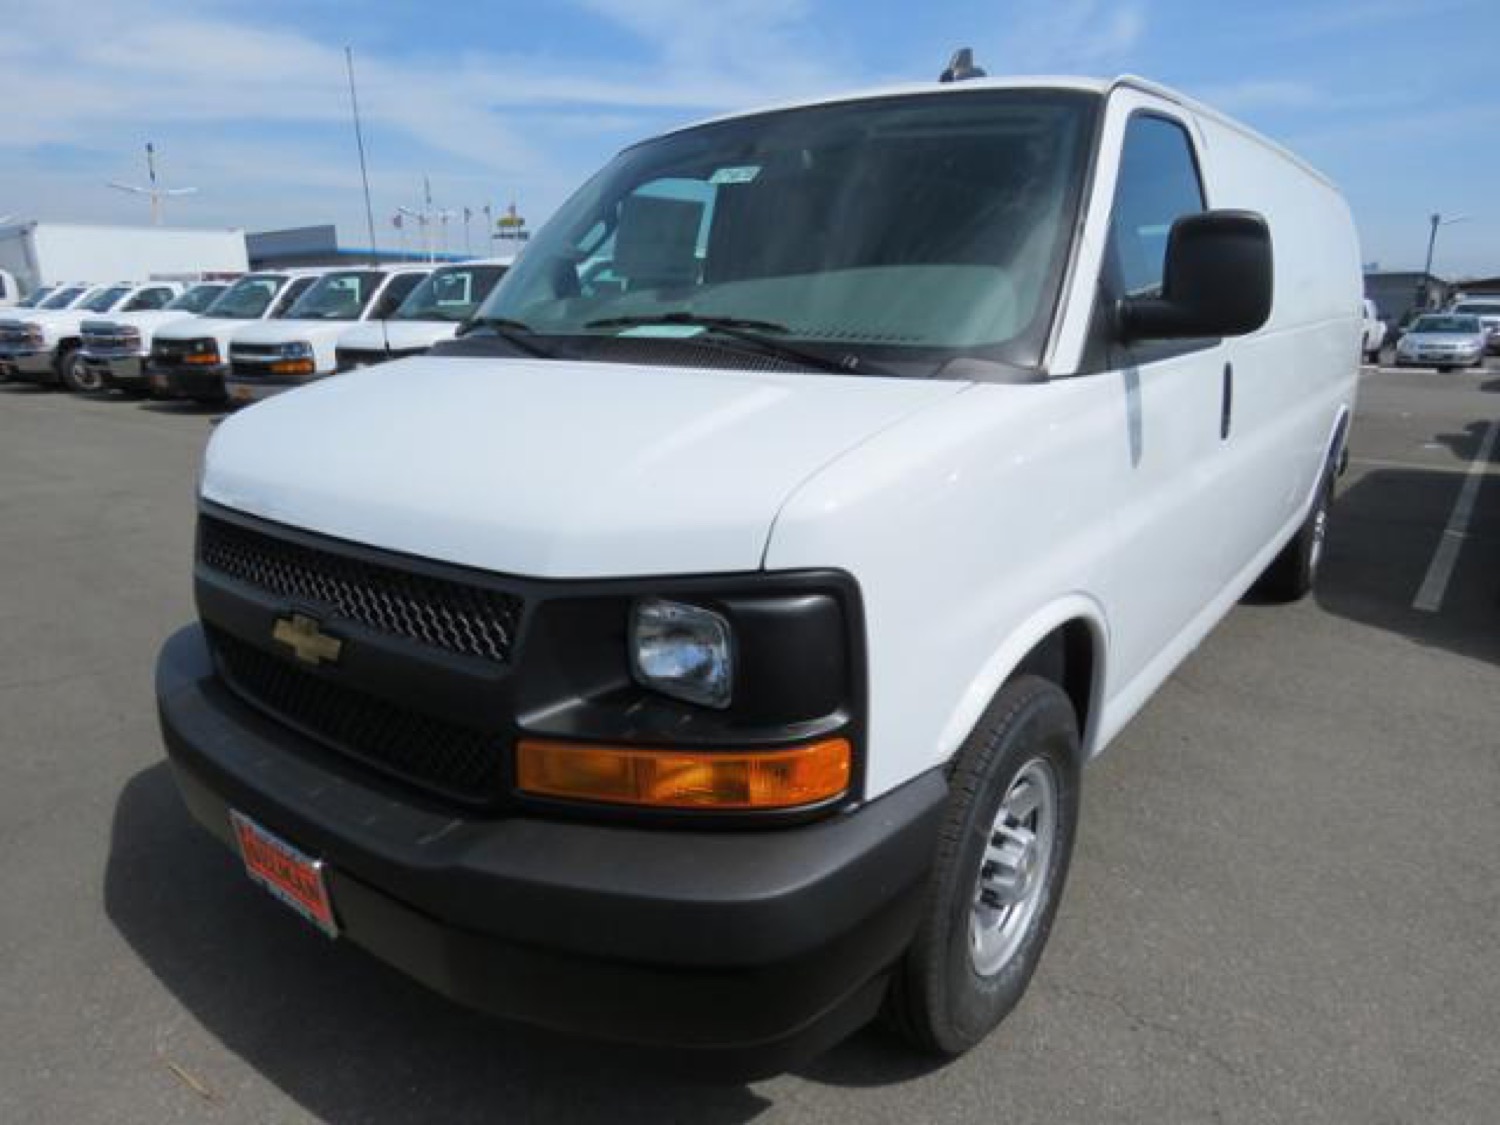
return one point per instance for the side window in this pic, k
(148, 299)
(397, 291)
(1158, 184)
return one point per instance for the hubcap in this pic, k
(1319, 533)
(1013, 874)
(83, 378)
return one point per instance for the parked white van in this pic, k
(114, 349)
(704, 650)
(436, 308)
(190, 359)
(266, 359)
(44, 345)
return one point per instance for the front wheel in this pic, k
(77, 376)
(1002, 859)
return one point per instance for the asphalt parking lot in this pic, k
(1285, 904)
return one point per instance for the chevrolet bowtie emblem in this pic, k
(305, 637)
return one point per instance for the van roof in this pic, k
(1100, 86)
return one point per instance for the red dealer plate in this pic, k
(293, 877)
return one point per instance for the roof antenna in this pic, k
(961, 67)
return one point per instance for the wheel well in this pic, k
(1066, 657)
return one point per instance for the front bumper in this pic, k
(28, 363)
(750, 949)
(124, 372)
(242, 391)
(1430, 359)
(203, 382)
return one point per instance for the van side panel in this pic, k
(1293, 379)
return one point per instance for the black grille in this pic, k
(443, 614)
(456, 761)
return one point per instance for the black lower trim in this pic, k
(188, 382)
(760, 947)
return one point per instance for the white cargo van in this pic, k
(267, 359)
(114, 349)
(433, 312)
(704, 650)
(44, 345)
(190, 359)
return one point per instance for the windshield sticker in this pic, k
(665, 331)
(741, 175)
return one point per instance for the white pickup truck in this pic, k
(705, 650)
(189, 359)
(114, 349)
(45, 346)
(267, 359)
(433, 312)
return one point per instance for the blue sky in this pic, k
(1397, 101)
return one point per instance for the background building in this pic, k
(319, 246)
(1397, 293)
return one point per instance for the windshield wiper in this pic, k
(513, 332)
(752, 332)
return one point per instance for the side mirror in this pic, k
(1217, 281)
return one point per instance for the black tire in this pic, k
(1294, 572)
(1444, 368)
(938, 1001)
(75, 375)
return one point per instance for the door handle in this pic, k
(1226, 407)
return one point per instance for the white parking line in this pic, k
(1429, 597)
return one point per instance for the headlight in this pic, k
(681, 650)
(298, 349)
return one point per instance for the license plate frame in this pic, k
(288, 874)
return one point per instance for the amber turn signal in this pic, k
(685, 779)
(293, 367)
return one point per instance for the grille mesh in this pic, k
(454, 760)
(442, 614)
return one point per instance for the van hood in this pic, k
(201, 327)
(289, 331)
(402, 335)
(550, 469)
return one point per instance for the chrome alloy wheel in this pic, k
(82, 377)
(1013, 874)
(1319, 534)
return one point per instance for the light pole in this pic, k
(1437, 221)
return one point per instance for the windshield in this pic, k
(450, 294)
(34, 299)
(196, 299)
(914, 228)
(337, 296)
(105, 299)
(247, 298)
(1478, 308)
(63, 298)
(1457, 324)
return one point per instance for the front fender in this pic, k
(1009, 654)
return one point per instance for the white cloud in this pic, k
(1070, 36)
(201, 69)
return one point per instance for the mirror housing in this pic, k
(1218, 281)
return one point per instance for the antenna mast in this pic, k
(359, 140)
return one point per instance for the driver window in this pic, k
(1158, 184)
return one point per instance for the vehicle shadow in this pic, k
(351, 1040)
(1385, 530)
(181, 406)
